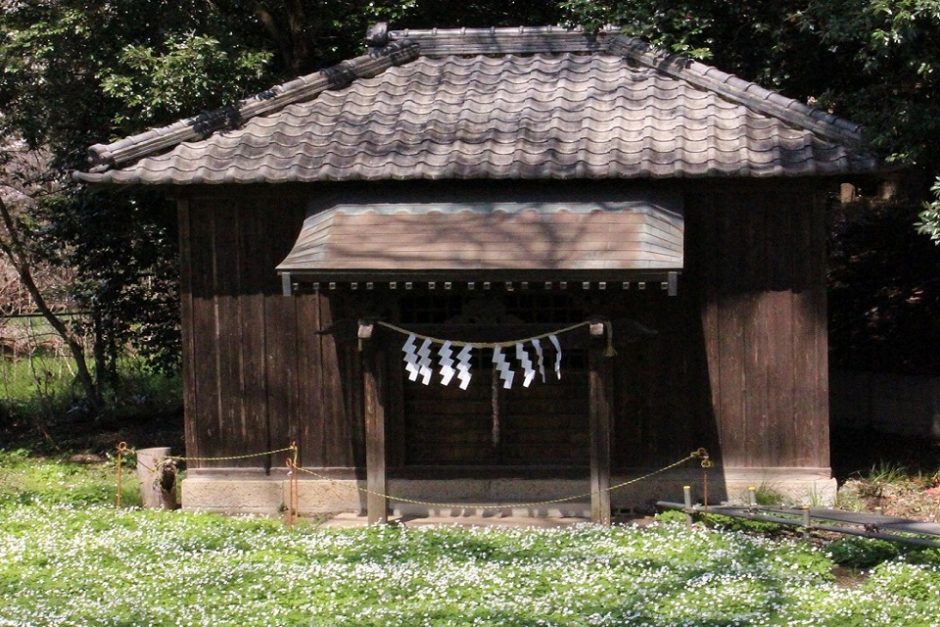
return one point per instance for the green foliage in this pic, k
(188, 72)
(892, 51)
(888, 472)
(766, 494)
(135, 301)
(43, 395)
(883, 292)
(732, 523)
(857, 552)
(928, 220)
(671, 516)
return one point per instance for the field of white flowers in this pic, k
(69, 558)
(92, 565)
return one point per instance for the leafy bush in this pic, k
(730, 523)
(857, 552)
(671, 516)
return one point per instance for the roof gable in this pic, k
(552, 103)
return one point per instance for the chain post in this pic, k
(702, 454)
(119, 462)
(291, 471)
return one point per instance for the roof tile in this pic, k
(538, 116)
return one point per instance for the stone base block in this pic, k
(247, 492)
(234, 495)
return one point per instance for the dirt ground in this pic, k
(915, 498)
(899, 474)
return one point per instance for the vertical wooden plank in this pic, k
(599, 411)
(190, 411)
(205, 347)
(706, 283)
(821, 336)
(374, 392)
(335, 431)
(810, 338)
(280, 352)
(233, 432)
(732, 428)
(754, 314)
(253, 268)
(310, 407)
(395, 415)
(780, 322)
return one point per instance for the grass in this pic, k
(66, 557)
(47, 481)
(41, 408)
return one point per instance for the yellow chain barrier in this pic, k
(574, 497)
(226, 458)
(293, 468)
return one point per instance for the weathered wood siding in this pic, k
(257, 375)
(758, 255)
(739, 364)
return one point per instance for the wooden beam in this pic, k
(374, 387)
(600, 410)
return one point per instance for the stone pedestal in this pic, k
(148, 472)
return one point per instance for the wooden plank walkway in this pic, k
(862, 524)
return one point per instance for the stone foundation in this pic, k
(237, 491)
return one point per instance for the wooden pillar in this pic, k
(374, 395)
(600, 410)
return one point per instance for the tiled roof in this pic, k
(550, 104)
(503, 236)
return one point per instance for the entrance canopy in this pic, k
(511, 240)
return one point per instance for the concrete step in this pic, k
(554, 510)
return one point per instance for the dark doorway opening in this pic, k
(545, 424)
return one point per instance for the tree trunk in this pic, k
(16, 253)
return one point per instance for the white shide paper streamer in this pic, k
(540, 357)
(502, 366)
(554, 341)
(526, 363)
(463, 366)
(445, 355)
(424, 365)
(411, 359)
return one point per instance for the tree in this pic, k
(76, 74)
(26, 179)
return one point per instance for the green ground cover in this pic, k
(68, 558)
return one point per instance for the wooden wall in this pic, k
(738, 366)
(256, 373)
(760, 260)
